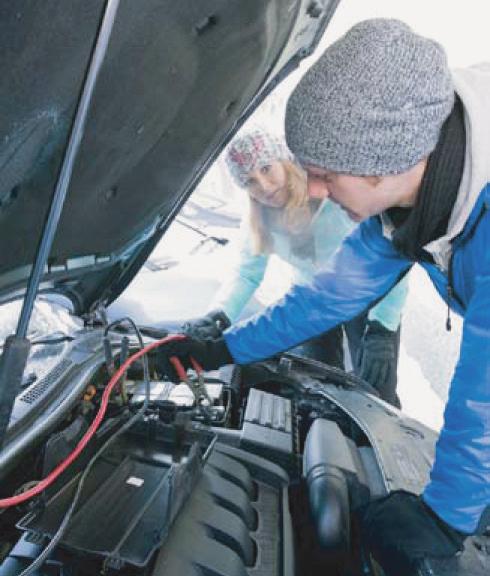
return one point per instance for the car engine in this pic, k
(256, 470)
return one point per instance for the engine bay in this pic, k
(247, 470)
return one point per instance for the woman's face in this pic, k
(268, 185)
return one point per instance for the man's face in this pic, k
(360, 196)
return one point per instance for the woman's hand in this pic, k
(378, 359)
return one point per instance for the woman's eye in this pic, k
(265, 169)
(250, 182)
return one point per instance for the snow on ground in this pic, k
(428, 352)
(417, 396)
(424, 332)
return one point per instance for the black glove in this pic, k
(400, 530)
(378, 359)
(210, 326)
(208, 352)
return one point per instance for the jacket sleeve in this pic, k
(459, 488)
(362, 270)
(237, 290)
(389, 310)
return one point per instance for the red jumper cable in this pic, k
(53, 475)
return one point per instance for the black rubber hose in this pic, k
(327, 489)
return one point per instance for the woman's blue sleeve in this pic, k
(389, 310)
(244, 281)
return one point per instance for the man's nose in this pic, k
(317, 188)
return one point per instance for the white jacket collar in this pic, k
(473, 87)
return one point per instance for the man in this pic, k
(386, 131)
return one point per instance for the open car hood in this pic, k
(179, 78)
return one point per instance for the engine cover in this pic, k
(201, 507)
(235, 523)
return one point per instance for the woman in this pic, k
(304, 232)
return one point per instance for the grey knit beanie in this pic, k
(254, 150)
(373, 104)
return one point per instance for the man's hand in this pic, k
(400, 530)
(378, 358)
(210, 326)
(208, 352)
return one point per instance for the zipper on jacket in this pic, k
(451, 293)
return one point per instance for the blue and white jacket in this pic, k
(367, 266)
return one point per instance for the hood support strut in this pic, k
(17, 347)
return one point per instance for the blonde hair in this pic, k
(295, 216)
